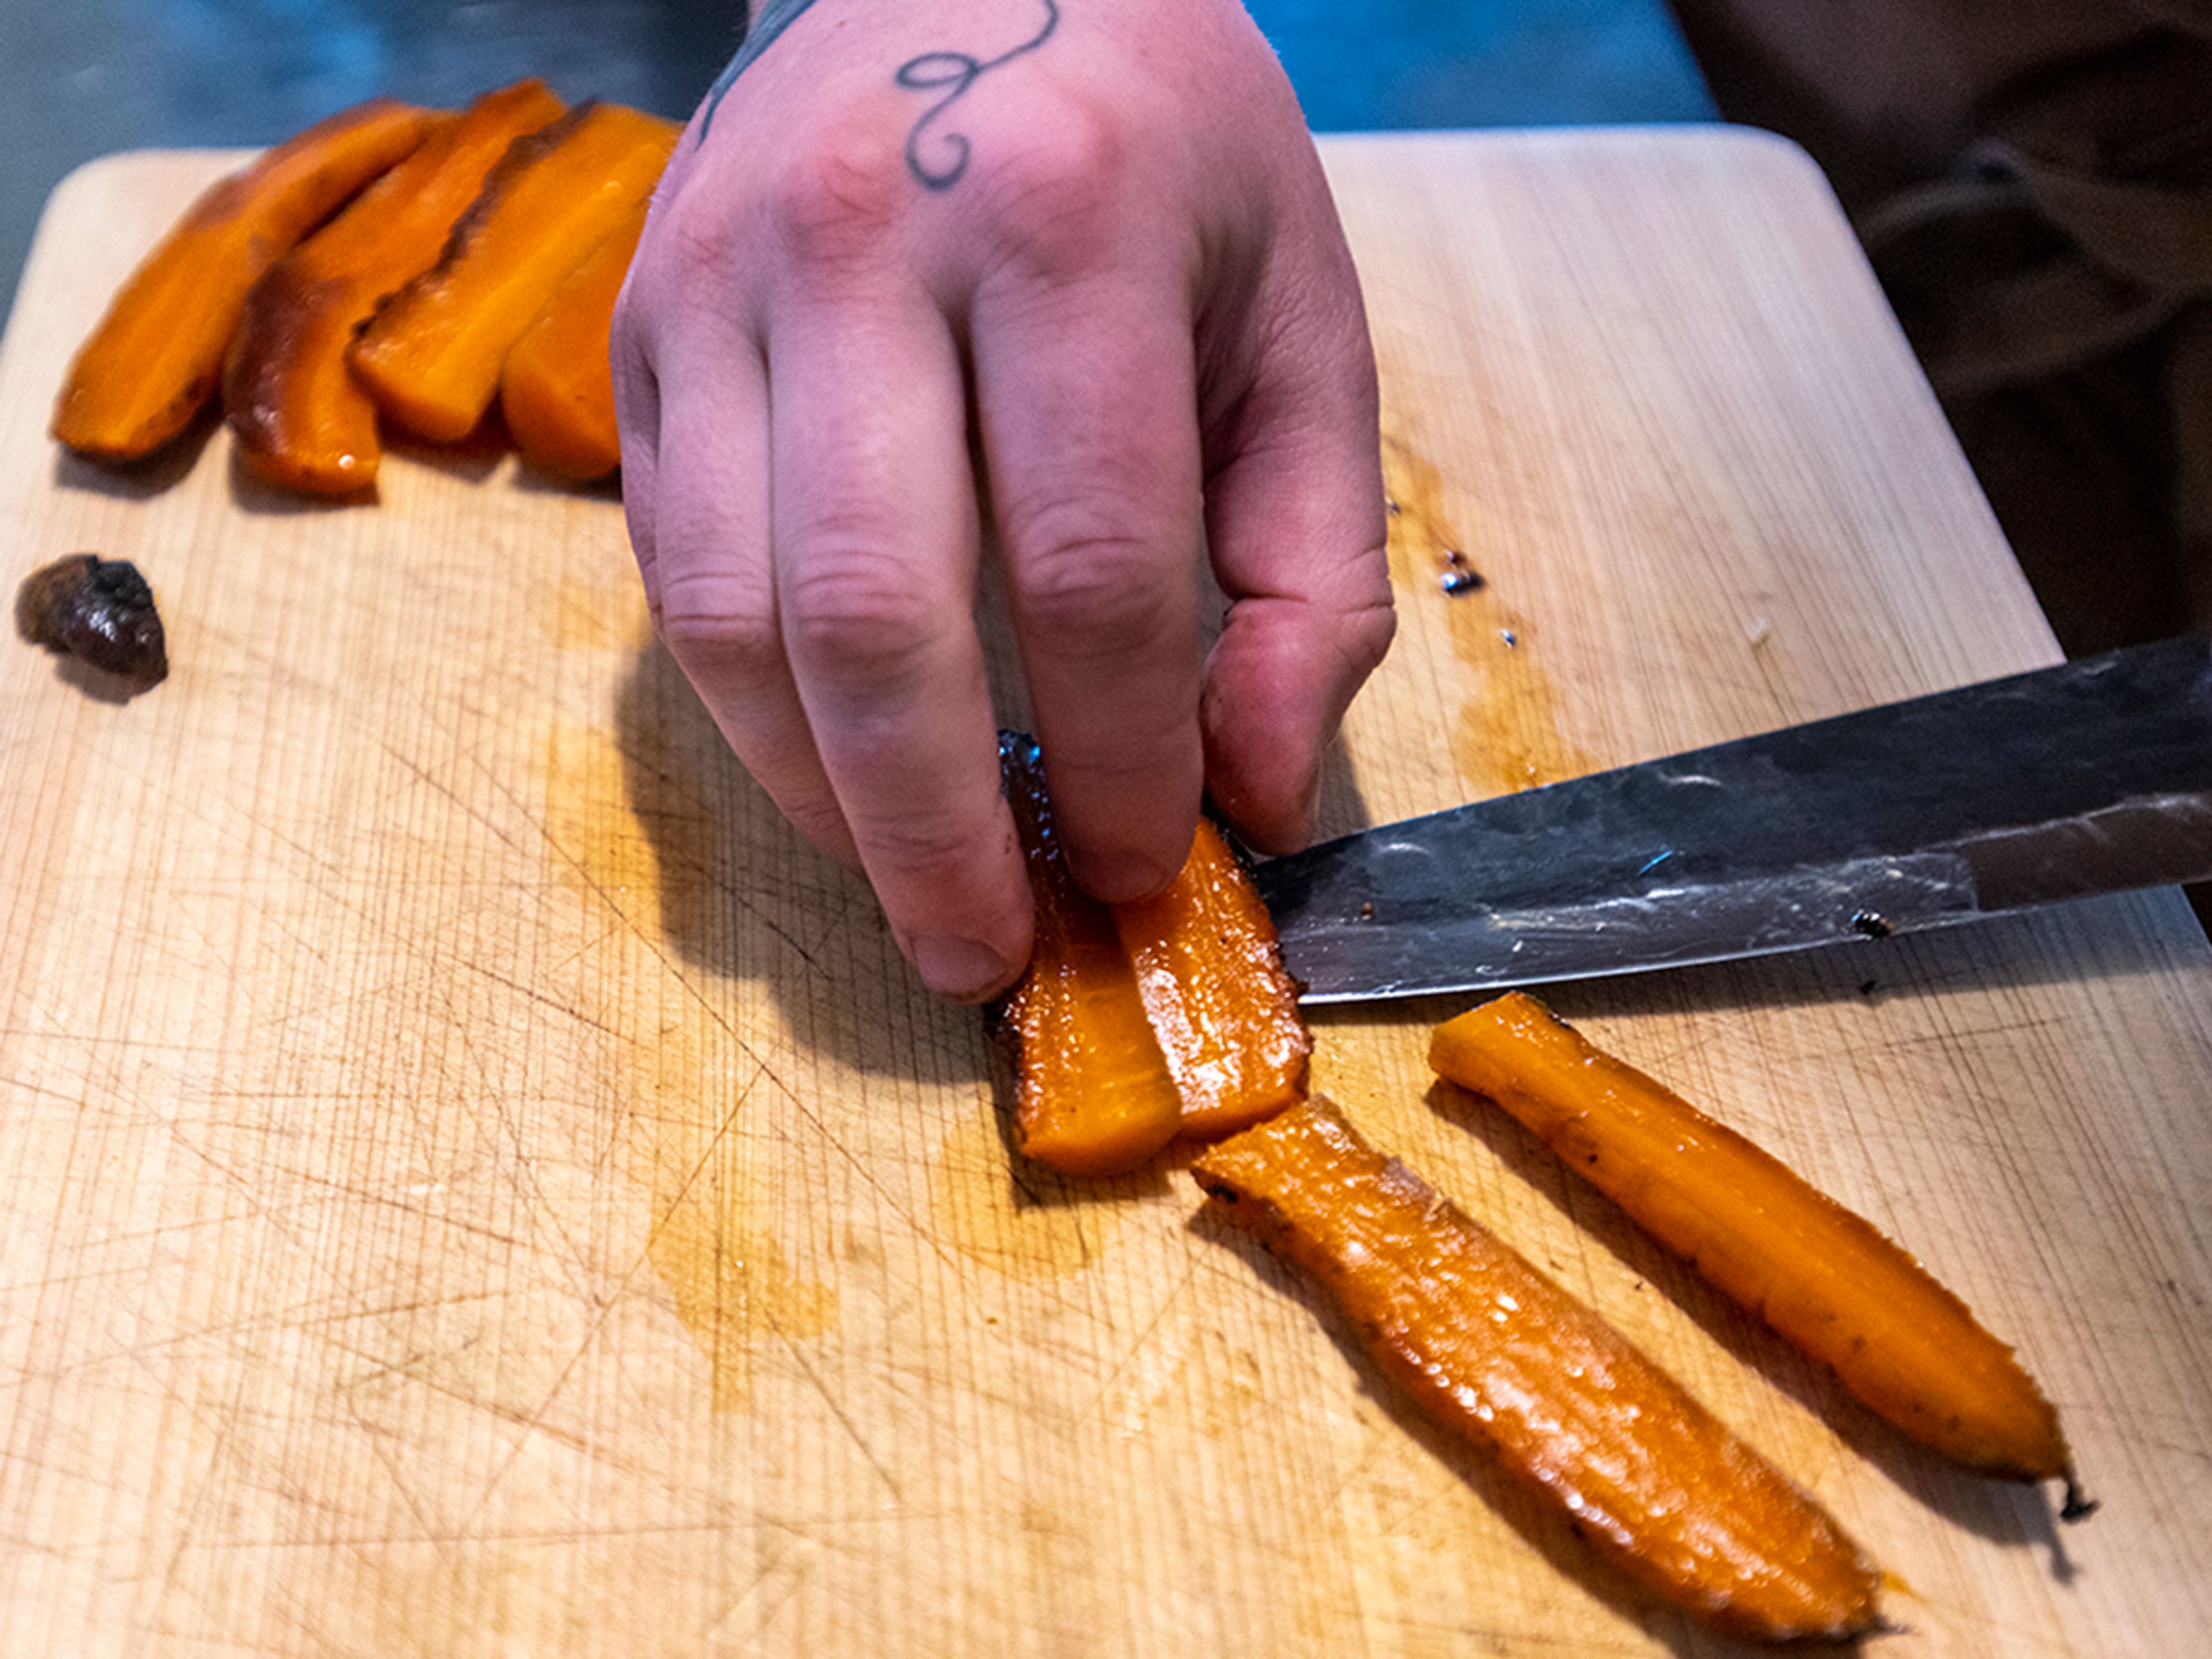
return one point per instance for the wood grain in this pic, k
(471, 1183)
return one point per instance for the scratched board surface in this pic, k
(473, 1182)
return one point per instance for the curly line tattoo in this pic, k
(952, 72)
(959, 71)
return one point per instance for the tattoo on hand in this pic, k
(957, 71)
(951, 73)
(776, 16)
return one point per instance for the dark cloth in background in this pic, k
(2033, 180)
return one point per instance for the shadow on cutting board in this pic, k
(742, 897)
(138, 481)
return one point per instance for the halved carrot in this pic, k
(1497, 1353)
(301, 418)
(1092, 1096)
(557, 390)
(1222, 1005)
(155, 357)
(1824, 1277)
(431, 356)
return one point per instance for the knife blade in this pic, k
(2092, 777)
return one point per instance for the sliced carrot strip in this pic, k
(432, 357)
(155, 357)
(1824, 1277)
(1224, 1010)
(1092, 1096)
(301, 419)
(557, 390)
(1494, 1352)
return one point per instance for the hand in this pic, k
(1098, 230)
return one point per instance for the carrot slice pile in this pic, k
(432, 357)
(156, 356)
(557, 390)
(1496, 1352)
(1223, 1006)
(300, 418)
(1823, 1276)
(1092, 1096)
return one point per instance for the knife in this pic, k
(2092, 777)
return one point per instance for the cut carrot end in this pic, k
(557, 389)
(1224, 1010)
(1092, 1094)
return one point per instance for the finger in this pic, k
(637, 420)
(875, 536)
(711, 576)
(1295, 530)
(1087, 403)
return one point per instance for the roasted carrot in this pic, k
(1092, 1096)
(300, 418)
(431, 358)
(1498, 1354)
(1223, 1007)
(1824, 1277)
(155, 357)
(557, 390)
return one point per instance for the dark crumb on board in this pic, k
(100, 612)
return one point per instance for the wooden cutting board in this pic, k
(473, 1182)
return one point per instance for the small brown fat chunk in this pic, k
(98, 611)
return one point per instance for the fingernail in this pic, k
(963, 970)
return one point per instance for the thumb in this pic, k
(1295, 530)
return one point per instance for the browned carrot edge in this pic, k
(301, 419)
(154, 360)
(1824, 1277)
(1497, 1353)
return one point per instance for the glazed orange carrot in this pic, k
(1496, 1352)
(301, 419)
(431, 356)
(1221, 1004)
(1092, 1096)
(1824, 1277)
(156, 356)
(557, 390)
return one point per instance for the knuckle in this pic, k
(1090, 586)
(1368, 616)
(698, 255)
(716, 631)
(816, 816)
(1364, 636)
(1056, 197)
(692, 258)
(855, 611)
(917, 847)
(835, 204)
